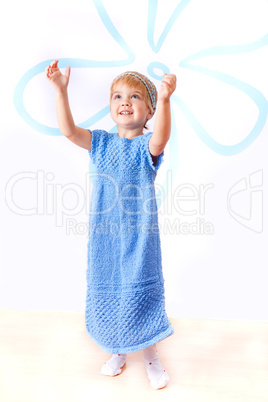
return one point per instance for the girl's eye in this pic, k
(117, 97)
(135, 96)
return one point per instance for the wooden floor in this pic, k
(48, 357)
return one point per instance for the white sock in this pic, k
(156, 373)
(114, 366)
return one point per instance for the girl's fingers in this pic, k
(52, 68)
(48, 72)
(170, 77)
(54, 64)
(166, 83)
(67, 71)
(170, 80)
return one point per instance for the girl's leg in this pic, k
(156, 373)
(114, 366)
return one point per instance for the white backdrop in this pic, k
(212, 186)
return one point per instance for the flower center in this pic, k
(162, 68)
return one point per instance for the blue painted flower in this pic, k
(254, 94)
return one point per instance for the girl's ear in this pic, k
(149, 115)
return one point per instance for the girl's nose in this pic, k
(125, 103)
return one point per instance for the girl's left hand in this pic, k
(168, 86)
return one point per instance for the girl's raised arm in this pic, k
(79, 136)
(162, 124)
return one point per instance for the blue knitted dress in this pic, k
(125, 304)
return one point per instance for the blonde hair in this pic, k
(135, 80)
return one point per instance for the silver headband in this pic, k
(151, 90)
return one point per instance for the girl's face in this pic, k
(128, 107)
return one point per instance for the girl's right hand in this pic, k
(56, 78)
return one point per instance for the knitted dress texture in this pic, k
(125, 304)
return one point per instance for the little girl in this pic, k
(125, 305)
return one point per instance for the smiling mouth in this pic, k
(125, 112)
